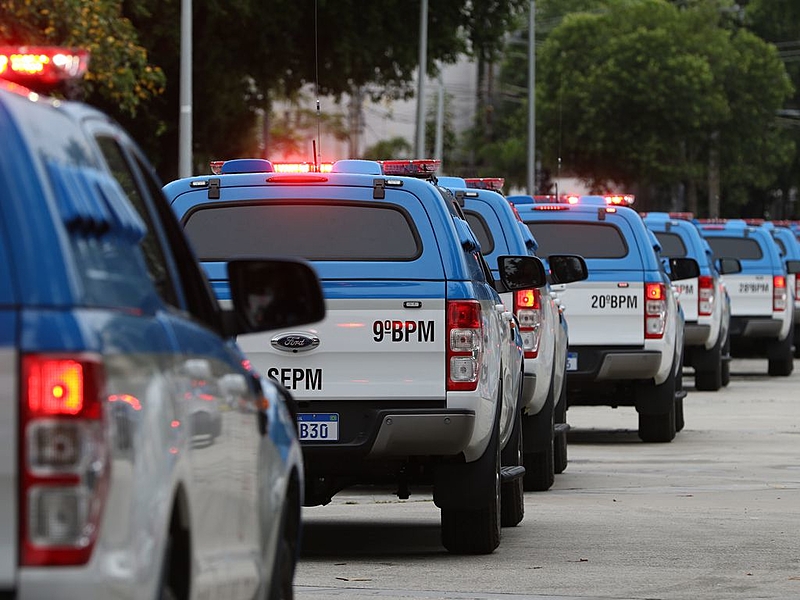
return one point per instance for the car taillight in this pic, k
(705, 295)
(655, 310)
(528, 309)
(64, 458)
(796, 287)
(464, 344)
(778, 293)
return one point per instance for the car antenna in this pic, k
(316, 144)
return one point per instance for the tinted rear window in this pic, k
(590, 240)
(481, 230)
(781, 245)
(734, 247)
(315, 231)
(672, 245)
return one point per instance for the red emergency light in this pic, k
(410, 168)
(302, 167)
(486, 183)
(620, 199)
(36, 66)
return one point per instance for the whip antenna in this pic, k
(317, 145)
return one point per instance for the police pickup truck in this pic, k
(402, 382)
(705, 299)
(790, 249)
(139, 457)
(542, 322)
(762, 315)
(625, 324)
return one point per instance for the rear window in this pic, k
(481, 230)
(672, 245)
(590, 240)
(734, 247)
(781, 245)
(312, 230)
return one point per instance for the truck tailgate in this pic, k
(751, 295)
(373, 344)
(603, 312)
(688, 291)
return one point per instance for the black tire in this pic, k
(679, 420)
(540, 468)
(175, 569)
(560, 459)
(512, 500)
(710, 380)
(466, 531)
(726, 361)
(283, 569)
(797, 342)
(659, 427)
(783, 364)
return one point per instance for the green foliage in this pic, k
(120, 74)
(637, 91)
(396, 147)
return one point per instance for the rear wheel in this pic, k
(560, 459)
(282, 579)
(710, 379)
(476, 531)
(512, 500)
(782, 364)
(726, 361)
(175, 570)
(659, 427)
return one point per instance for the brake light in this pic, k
(778, 293)
(655, 310)
(64, 458)
(43, 65)
(485, 183)
(302, 167)
(550, 207)
(299, 178)
(528, 309)
(705, 295)
(796, 287)
(411, 168)
(464, 344)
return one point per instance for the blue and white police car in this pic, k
(705, 299)
(140, 457)
(542, 322)
(762, 315)
(402, 382)
(625, 325)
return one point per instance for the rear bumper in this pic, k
(695, 334)
(370, 433)
(609, 364)
(755, 327)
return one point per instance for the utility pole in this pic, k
(531, 98)
(185, 117)
(423, 61)
(439, 143)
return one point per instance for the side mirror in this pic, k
(793, 267)
(728, 266)
(566, 268)
(521, 272)
(683, 268)
(273, 294)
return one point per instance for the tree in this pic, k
(396, 147)
(642, 92)
(246, 56)
(120, 76)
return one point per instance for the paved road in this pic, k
(713, 515)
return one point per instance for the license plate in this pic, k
(319, 427)
(572, 361)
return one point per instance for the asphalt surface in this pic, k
(713, 515)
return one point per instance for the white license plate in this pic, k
(572, 361)
(320, 427)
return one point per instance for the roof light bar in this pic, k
(486, 183)
(302, 167)
(42, 65)
(410, 168)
